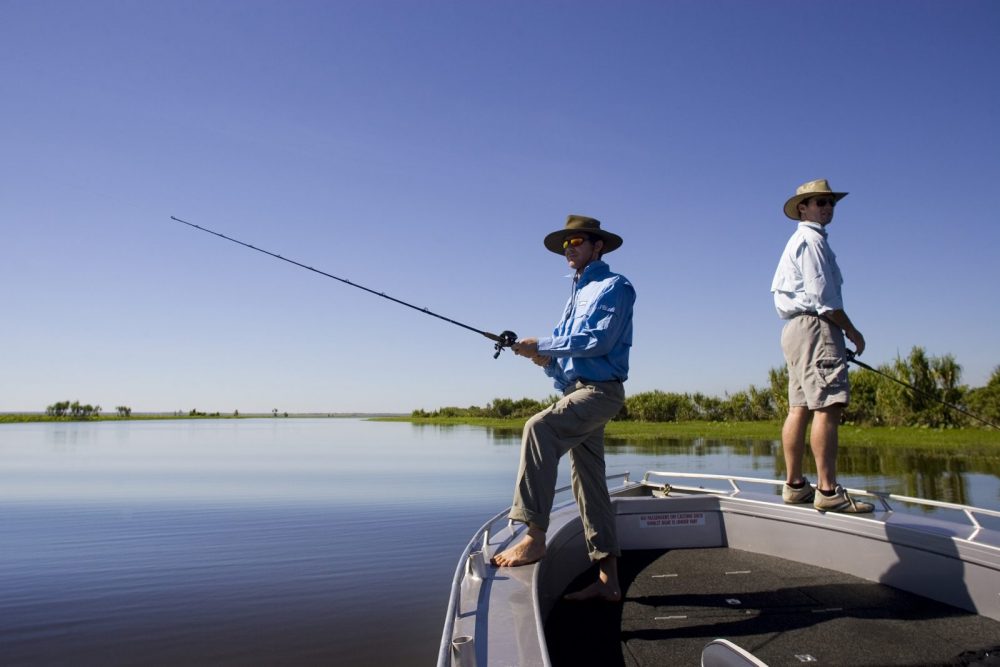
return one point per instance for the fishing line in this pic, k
(850, 358)
(502, 340)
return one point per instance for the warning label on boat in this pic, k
(672, 519)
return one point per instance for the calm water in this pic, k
(294, 541)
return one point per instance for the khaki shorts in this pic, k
(817, 363)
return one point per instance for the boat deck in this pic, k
(784, 612)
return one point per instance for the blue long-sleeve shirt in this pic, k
(594, 336)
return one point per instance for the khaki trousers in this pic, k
(575, 424)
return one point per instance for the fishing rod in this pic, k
(851, 358)
(501, 340)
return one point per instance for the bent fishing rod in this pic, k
(501, 340)
(851, 358)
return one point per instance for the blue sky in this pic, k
(425, 148)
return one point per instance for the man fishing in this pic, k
(587, 357)
(806, 288)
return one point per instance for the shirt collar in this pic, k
(815, 226)
(591, 272)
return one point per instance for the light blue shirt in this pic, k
(807, 278)
(594, 336)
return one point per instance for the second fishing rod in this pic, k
(851, 357)
(502, 340)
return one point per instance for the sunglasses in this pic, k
(823, 201)
(574, 242)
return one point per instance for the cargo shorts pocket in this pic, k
(831, 371)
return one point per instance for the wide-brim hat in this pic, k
(581, 224)
(807, 190)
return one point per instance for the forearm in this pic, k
(840, 319)
(589, 343)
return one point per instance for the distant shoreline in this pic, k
(26, 417)
(973, 439)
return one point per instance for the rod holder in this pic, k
(475, 566)
(463, 651)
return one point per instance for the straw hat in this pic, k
(807, 190)
(581, 224)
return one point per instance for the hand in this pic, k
(526, 347)
(855, 337)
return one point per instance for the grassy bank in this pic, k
(849, 434)
(627, 430)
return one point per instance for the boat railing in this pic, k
(969, 512)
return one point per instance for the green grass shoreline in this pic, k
(849, 434)
(975, 438)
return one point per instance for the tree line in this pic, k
(78, 411)
(875, 400)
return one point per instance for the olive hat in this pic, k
(581, 224)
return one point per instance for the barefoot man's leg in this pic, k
(590, 488)
(575, 423)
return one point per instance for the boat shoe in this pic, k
(798, 496)
(841, 501)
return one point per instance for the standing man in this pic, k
(806, 290)
(587, 357)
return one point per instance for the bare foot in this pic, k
(606, 588)
(529, 550)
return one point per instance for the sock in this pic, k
(828, 494)
(798, 485)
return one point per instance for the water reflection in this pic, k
(948, 475)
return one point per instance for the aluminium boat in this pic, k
(717, 570)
